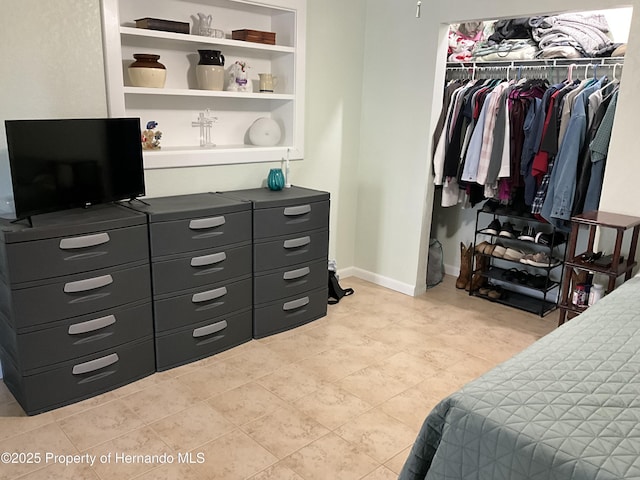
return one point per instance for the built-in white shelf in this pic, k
(179, 103)
(194, 156)
(206, 93)
(198, 39)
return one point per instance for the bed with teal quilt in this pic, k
(567, 407)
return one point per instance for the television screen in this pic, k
(67, 163)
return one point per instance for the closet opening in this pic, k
(518, 65)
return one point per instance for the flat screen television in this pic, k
(66, 163)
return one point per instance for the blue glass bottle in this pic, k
(275, 180)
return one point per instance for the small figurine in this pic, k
(238, 81)
(151, 138)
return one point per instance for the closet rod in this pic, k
(551, 62)
(471, 69)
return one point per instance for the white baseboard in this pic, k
(452, 270)
(381, 280)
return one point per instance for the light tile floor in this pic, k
(340, 398)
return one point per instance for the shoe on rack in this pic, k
(493, 228)
(513, 275)
(537, 281)
(548, 239)
(513, 254)
(496, 293)
(481, 247)
(507, 230)
(498, 251)
(488, 250)
(485, 290)
(541, 259)
(527, 258)
(490, 205)
(528, 234)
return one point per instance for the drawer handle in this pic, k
(94, 365)
(293, 304)
(297, 210)
(209, 329)
(297, 242)
(209, 295)
(84, 242)
(208, 259)
(293, 274)
(203, 223)
(88, 284)
(92, 325)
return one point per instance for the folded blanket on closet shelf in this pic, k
(507, 50)
(586, 33)
(462, 40)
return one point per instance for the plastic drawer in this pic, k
(300, 217)
(202, 339)
(81, 378)
(290, 250)
(200, 268)
(75, 254)
(288, 281)
(193, 234)
(204, 303)
(289, 312)
(80, 294)
(78, 336)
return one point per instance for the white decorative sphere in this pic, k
(265, 132)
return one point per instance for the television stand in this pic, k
(28, 219)
(136, 199)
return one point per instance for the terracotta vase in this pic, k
(146, 71)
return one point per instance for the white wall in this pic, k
(392, 192)
(51, 66)
(335, 43)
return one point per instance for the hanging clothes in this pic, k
(497, 136)
(558, 203)
(599, 150)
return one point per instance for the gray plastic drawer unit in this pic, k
(203, 267)
(290, 248)
(75, 305)
(203, 339)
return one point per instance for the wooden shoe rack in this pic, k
(525, 287)
(620, 266)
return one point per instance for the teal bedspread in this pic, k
(568, 407)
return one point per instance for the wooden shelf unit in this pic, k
(593, 220)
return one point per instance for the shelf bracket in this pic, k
(418, 8)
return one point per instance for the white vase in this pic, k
(210, 77)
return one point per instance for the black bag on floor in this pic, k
(336, 292)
